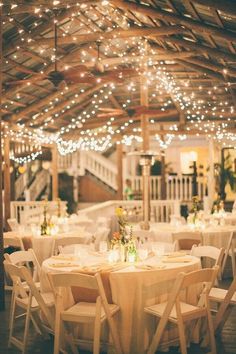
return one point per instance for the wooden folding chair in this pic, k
(32, 302)
(83, 312)
(11, 239)
(178, 312)
(14, 225)
(28, 259)
(231, 252)
(25, 258)
(61, 242)
(226, 299)
(186, 240)
(210, 252)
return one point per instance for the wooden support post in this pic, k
(144, 118)
(7, 181)
(54, 173)
(163, 176)
(119, 152)
(2, 292)
(211, 177)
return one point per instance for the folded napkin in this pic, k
(149, 266)
(176, 260)
(63, 265)
(64, 257)
(175, 254)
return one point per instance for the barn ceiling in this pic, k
(113, 63)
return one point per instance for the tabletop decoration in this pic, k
(123, 239)
(196, 216)
(218, 212)
(47, 227)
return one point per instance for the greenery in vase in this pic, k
(124, 237)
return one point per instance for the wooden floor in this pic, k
(226, 343)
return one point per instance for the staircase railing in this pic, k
(19, 186)
(101, 168)
(178, 187)
(42, 180)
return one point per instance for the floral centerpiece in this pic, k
(195, 217)
(47, 228)
(123, 239)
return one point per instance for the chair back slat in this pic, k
(23, 258)
(207, 275)
(73, 279)
(185, 240)
(66, 241)
(13, 241)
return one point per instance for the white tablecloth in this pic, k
(217, 236)
(134, 327)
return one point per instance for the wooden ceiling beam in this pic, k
(63, 103)
(227, 6)
(37, 105)
(205, 71)
(195, 25)
(115, 34)
(168, 55)
(43, 5)
(215, 53)
(212, 66)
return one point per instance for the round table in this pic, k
(127, 289)
(217, 236)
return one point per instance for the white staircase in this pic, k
(93, 162)
(178, 187)
(20, 186)
(42, 180)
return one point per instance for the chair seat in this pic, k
(47, 297)
(218, 295)
(86, 310)
(186, 310)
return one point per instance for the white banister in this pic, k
(19, 186)
(28, 212)
(177, 186)
(42, 179)
(160, 209)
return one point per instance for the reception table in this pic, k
(127, 283)
(43, 245)
(217, 236)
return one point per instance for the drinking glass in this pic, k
(102, 246)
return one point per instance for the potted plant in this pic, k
(224, 174)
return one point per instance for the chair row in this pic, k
(177, 309)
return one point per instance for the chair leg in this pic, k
(97, 334)
(26, 330)
(233, 263)
(57, 336)
(157, 337)
(182, 338)
(12, 316)
(211, 330)
(114, 336)
(221, 318)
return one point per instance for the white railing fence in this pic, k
(31, 212)
(177, 187)
(161, 210)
